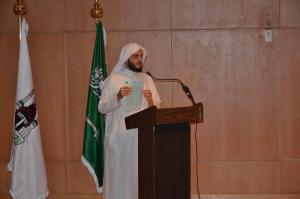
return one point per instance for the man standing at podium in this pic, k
(126, 91)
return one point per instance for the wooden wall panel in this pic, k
(47, 60)
(290, 176)
(9, 47)
(289, 132)
(80, 48)
(193, 14)
(199, 59)
(9, 21)
(56, 177)
(290, 103)
(44, 15)
(5, 196)
(206, 14)
(9, 52)
(260, 13)
(238, 131)
(237, 177)
(289, 13)
(137, 15)
(238, 88)
(78, 17)
(6, 145)
(79, 179)
(255, 72)
(4, 179)
(251, 119)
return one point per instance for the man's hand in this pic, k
(124, 91)
(148, 96)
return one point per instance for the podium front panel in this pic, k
(172, 161)
(164, 161)
(146, 159)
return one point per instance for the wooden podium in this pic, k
(164, 150)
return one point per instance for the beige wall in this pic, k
(249, 143)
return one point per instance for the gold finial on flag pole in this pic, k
(20, 9)
(96, 11)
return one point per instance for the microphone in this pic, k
(184, 87)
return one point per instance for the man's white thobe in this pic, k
(121, 145)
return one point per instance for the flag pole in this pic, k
(93, 143)
(20, 9)
(27, 164)
(96, 11)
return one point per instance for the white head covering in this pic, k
(126, 52)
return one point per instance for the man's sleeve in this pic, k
(108, 99)
(155, 95)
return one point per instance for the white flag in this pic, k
(27, 165)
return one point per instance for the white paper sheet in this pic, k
(134, 100)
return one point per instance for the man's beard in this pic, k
(133, 67)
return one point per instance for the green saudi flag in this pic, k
(93, 145)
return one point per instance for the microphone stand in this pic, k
(184, 87)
